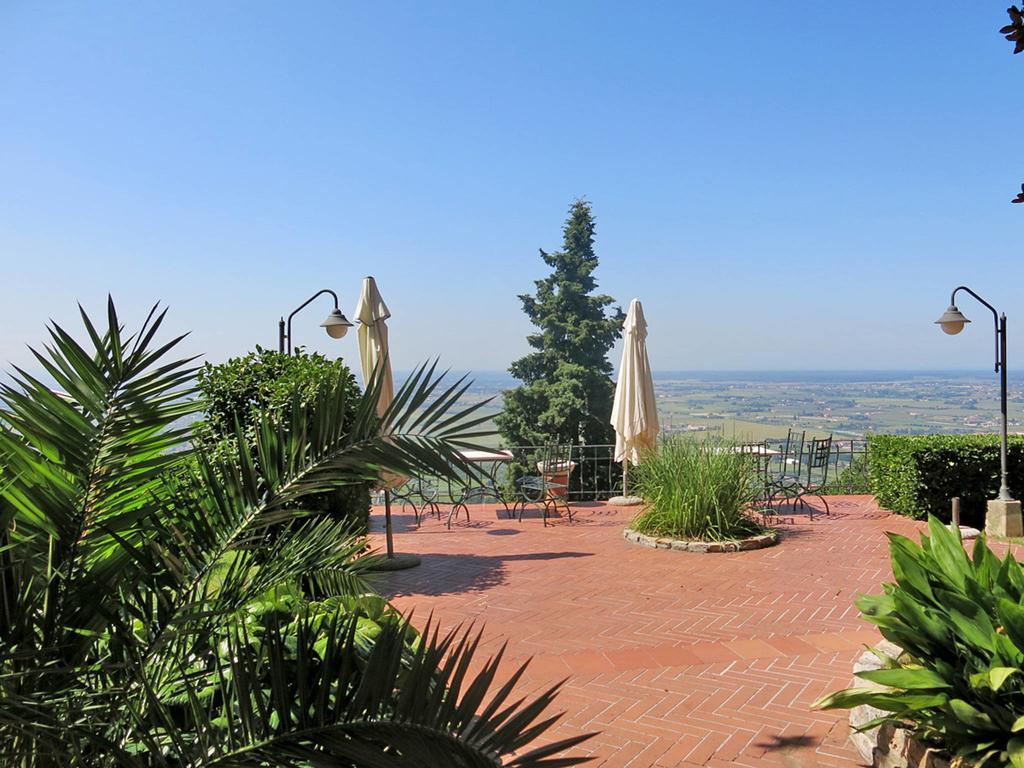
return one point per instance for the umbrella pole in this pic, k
(625, 500)
(387, 524)
(393, 562)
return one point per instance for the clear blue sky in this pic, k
(784, 185)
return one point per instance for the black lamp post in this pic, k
(336, 324)
(952, 322)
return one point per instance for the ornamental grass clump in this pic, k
(697, 490)
(960, 621)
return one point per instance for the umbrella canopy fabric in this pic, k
(372, 314)
(635, 411)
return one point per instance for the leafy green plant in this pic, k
(239, 392)
(147, 620)
(696, 489)
(917, 475)
(960, 622)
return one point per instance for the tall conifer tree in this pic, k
(566, 395)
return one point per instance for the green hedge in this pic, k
(917, 475)
(240, 389)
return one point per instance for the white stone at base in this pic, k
(625, 501)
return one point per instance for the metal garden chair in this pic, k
(541, 489)
(420, 494)
(811, 476)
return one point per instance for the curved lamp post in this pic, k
(952, 322)
(336, 324)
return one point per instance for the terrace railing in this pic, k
(597, 476)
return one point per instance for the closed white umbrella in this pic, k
(372, 314)
(635, 411)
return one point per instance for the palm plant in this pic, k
(151, 604)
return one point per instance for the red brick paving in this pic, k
(676, 658)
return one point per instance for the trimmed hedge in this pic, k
(917, 475)
(237, 391)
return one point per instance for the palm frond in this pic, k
(149, 589)
(408, 704)
(86, 464)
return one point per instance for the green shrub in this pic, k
(917, 475)
(696, 489)
(960, 622)
(240, 390)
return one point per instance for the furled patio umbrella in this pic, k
(634, 412)
(372, 314)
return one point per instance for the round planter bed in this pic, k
(767, 539)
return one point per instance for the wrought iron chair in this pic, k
(458, 495)
(788, 467)
(420, 494)
(760, 454)
(781, 471)
(811, 476)
(541, 489)
(473, 487)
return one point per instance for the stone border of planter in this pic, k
(886, 746)
(703, 547)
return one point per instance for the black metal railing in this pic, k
(597, 476)
(847, 470)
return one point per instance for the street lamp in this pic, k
(952, 322)
(336, 324)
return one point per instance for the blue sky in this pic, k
(787, 185)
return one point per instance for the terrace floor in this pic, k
(675, 658)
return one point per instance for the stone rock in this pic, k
(660, 542)
(967, 533)
(887, 746)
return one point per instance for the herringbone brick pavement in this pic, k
(675, 658)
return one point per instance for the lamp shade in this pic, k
(952, 320)
(336, 324)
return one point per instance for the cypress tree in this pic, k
(567, 390)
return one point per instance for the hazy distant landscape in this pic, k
(760, 404)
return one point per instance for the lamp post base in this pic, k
(1003, 518)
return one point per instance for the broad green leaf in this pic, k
(1012, 617)
(948, 552)
(888, 701)
(970, 716)
(905, 678)
(999, 675)
(1015, 752)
